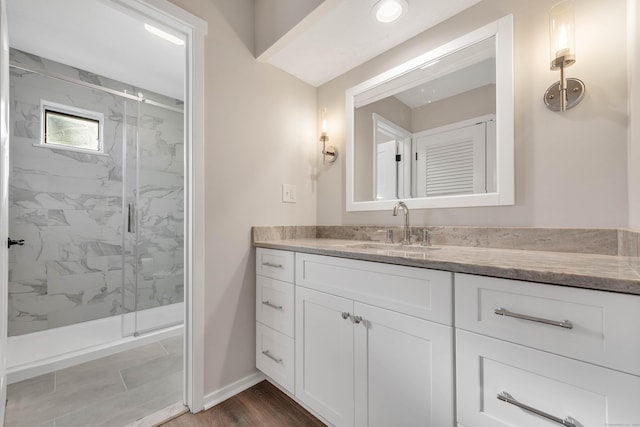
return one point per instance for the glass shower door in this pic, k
(154, 283)
(66, 204)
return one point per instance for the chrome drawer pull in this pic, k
(506, 397)
(563, 324)
(270, 264)
(272, 357)
(345, 315)
(272, 305)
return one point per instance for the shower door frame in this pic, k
(194, 30)
(4, 202)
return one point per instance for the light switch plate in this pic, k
(288, 193)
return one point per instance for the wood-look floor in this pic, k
(261, 405)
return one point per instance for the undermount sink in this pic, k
(392, 247)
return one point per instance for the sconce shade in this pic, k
(561, 35)
(328, 153)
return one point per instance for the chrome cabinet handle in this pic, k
(563, 324)
(272, 305)
(355, 319)
(506, 397)
(272, 357)
(270, 264)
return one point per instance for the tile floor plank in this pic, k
(31, 388)
(94, 393)
(135, 376)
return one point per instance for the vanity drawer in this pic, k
(585, 394)
(417, 292)
(275, 264)
(601, 327)
(275, 356)
(274, 304)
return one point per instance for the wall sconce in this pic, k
(566, 93)
(329, 153)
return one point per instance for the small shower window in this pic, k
(71, 128)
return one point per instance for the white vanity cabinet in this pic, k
(274, 316)
(530, 354)
(371, 344)
(368, 352)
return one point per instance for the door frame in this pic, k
(4, 202)
(194, 30)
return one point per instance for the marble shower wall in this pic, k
(68, 206)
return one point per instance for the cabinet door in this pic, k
(403, 370)
(324, 355)
(496, 378)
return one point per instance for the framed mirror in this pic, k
(436, 131)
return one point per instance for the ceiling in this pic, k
(339, 35)
(93, 36)
(459, 72)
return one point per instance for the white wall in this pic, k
(464, 106)
(260, 133)
(571, 168)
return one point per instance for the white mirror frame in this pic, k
(502, 29)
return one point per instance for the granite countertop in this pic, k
(612, 273)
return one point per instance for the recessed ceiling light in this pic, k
(164, 35)
(387, 11)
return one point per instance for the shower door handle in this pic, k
(131, 218)
(11, 242)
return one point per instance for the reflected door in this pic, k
(386, 171)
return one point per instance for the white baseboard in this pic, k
(218, 396)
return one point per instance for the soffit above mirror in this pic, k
(339, 35)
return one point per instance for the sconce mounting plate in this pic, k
(575, 93)
(330, 154)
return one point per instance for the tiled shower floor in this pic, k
(111, 391)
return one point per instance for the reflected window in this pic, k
(71, 128)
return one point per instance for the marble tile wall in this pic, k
(68, 206)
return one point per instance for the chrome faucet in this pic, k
(406, 236)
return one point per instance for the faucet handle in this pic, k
(389, 236)
(426, 241)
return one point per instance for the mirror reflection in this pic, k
(430, 132)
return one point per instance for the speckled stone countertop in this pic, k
(614, 273)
